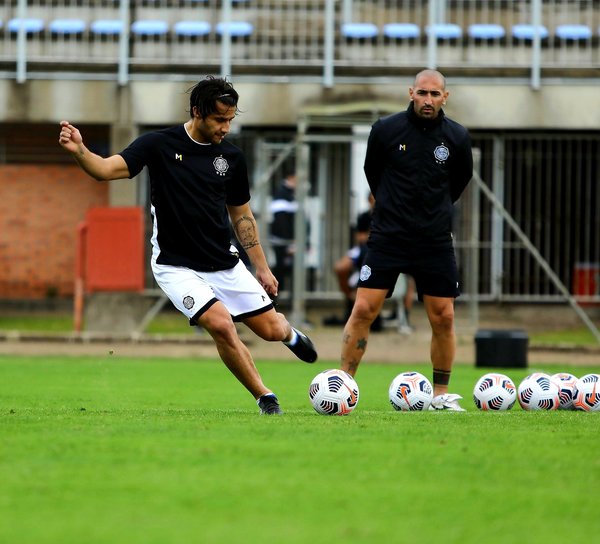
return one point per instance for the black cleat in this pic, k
(269, 405)
(304, 349)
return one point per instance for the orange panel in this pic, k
(114, 252)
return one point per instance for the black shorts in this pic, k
(434, 269)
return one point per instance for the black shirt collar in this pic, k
(420, 121)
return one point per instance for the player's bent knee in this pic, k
(271, 326)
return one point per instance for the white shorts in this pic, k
(192, 292)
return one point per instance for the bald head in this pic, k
(431, 74)
(428, 94)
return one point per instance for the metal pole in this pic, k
(123, 76)
(226, 39)
(497, 258)
(299, 279)
(328, 46)
(431, 38)
(536, 52)
(473, 280)
(22, 43)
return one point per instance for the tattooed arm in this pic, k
(246, 231)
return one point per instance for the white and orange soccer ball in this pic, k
(333, 393)
(538, 391)
(494, 391)
(566, 389)
(410, 391)
(587, 393)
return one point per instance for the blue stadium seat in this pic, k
(237, 29)
(31, 26)
(401, 31)
(106, 27)
(150, 27)
(191, 29)
(445, 31)
(527, 32)
(362, 31)
(67, 26)
(486, 32)
(573, 32)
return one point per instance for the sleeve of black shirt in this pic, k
(373, 160)
(463, 169)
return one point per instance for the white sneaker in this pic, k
(447, 401)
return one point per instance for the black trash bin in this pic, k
(501, 348)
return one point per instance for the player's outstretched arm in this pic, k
(100, 168)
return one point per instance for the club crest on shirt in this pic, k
(188, 302)
(441, 153)
(365, 272)
(221, 165)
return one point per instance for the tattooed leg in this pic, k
(356, 332)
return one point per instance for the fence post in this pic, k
(299, 278)
(473, 280)
(79, 294)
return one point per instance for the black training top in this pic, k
(416, 169)
(191, 184)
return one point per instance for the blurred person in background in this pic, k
(283, 210)
(348, 266)
(347, 270)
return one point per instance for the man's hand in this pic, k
(70, 137)
(101, 169)
(269, 282)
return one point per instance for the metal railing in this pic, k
(124, 39)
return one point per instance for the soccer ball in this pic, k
(410, 391)
(566, 389)
(494, 392)
(587, 393)
(538, 392)
(333, 393)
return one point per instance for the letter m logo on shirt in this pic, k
(178, 157)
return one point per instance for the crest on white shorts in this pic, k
(221, 165)
(441, 153)
(188, 302)
(365, 272)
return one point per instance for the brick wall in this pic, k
(40, 208)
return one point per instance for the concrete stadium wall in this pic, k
(478, 105)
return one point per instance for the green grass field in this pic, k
(118, 450)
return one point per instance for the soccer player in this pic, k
(418, 162)
(199, 190)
